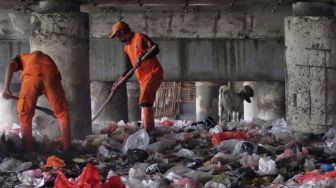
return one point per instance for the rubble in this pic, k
(266, 154)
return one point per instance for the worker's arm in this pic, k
(11, 68)
(128, 68)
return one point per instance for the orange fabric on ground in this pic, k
(40, 76)
(150, 72)
(54, 162)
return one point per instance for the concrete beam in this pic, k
(250, 23)
(198, 59)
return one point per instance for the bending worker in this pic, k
(39, 76)
(149, 72)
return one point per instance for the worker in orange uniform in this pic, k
(39, 76)
(149, 71)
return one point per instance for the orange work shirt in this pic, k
(36, 64)
(134, 49)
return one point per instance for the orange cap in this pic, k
(119, 25)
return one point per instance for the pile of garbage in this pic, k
(178, 153)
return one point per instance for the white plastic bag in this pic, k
(139, 139)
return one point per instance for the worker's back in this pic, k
(37, 64)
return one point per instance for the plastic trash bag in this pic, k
(226, 135)
(103, 152)
(136, 155)
(186, 153)
(267, 166)
(139, 139)
(228, 146)
(161, 146)
(32, 178)
(89, 178)
(138, 178)
(245, 146)
(280, 130)
(14, 165)
(309, 164)
(250, 161)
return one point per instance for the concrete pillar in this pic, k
(116, 109)
(62, 32)
(268, 102)
(8, 110)
(311, 72)
(206, 100)
(133, 93)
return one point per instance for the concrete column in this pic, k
(133, 93)
(116, 109)
(62, 32)
(268, 102)
(311, 72)
(206, 100)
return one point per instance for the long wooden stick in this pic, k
(42, 109)
(119, 82)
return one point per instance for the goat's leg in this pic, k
(220, 113)
(228, 116)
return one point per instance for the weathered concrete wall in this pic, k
(311, 72)
(198, 59)
(253, 22)
(14, 25)
(8, 50)
(65, 37)
(268, 102)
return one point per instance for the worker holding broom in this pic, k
(39, 76)
(148, 71)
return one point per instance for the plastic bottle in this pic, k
(327, 167)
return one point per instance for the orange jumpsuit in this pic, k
(40, 76)
(150, 72)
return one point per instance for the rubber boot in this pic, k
(147, 117)
(27, 136)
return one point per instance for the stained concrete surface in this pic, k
(311, 70)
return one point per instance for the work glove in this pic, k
(7, 94)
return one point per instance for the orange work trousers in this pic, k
(148, 87)
(31, 88)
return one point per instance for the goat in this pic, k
(230, 101)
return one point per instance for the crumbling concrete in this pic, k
(65, 37)
(311, 72)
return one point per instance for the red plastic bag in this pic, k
(226, 135)
(114, 182)
(89, 178)
(167, 123)
(316, 177)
